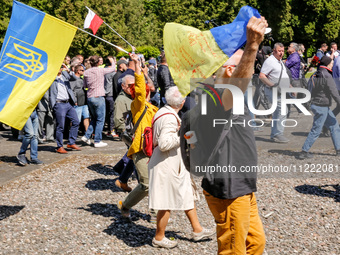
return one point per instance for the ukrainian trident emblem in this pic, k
(23, 60)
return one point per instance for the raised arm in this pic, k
(245, 69)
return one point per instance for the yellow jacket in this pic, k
(137, 108)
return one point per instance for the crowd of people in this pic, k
(275, 72)
(131, 94)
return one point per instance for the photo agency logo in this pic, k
(280, 99)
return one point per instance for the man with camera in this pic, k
(274, 74)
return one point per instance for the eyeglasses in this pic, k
(130, 84)
(82, 70)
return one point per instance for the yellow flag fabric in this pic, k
(33, 51)
(191, 53)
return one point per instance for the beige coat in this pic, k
(169, 182)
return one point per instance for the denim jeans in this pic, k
(277, 127)
(82, 112)
(63, 111)
(97, 110)
(31, 135)
(337, 108)
(322, 116)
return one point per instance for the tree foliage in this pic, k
(148, 52)
(141, 22)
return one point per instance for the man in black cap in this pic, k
(323, 92)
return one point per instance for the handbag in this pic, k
(127, 136)
(148, 136)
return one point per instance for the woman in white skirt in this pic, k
(170, 185)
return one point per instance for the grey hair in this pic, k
(295, 46)
(173, 97)
(127, 77)
(301, 46)
(278, 44)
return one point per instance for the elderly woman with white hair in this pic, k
(170, 185)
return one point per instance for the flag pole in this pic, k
(114, 30)
(119, 48)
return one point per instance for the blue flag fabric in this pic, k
(231, 37)
(31, 55)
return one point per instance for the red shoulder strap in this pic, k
(153, 121)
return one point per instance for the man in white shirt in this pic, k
(273, 74)
(334, 52)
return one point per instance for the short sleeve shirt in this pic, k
(336, 53)
(272, 69)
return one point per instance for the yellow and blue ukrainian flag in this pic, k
(192, 53)
(33, 50)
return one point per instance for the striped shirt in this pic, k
(62, 90)
(94, 80)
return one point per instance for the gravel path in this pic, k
(69, 207)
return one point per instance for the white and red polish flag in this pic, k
(92, 21)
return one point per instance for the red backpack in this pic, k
(148, 136)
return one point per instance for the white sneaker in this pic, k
(100, 144)
(164, 243)
(204, 234)
(86, 140)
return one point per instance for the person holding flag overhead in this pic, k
(230, 194)
(94, 81)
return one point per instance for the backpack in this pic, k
(203, 151)
(127, 135)
(311, 83)
(148, 137)
(130, 129)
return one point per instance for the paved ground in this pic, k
(68, 206)
(9, 148)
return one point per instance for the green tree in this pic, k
(141, 22)
(6, 7)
